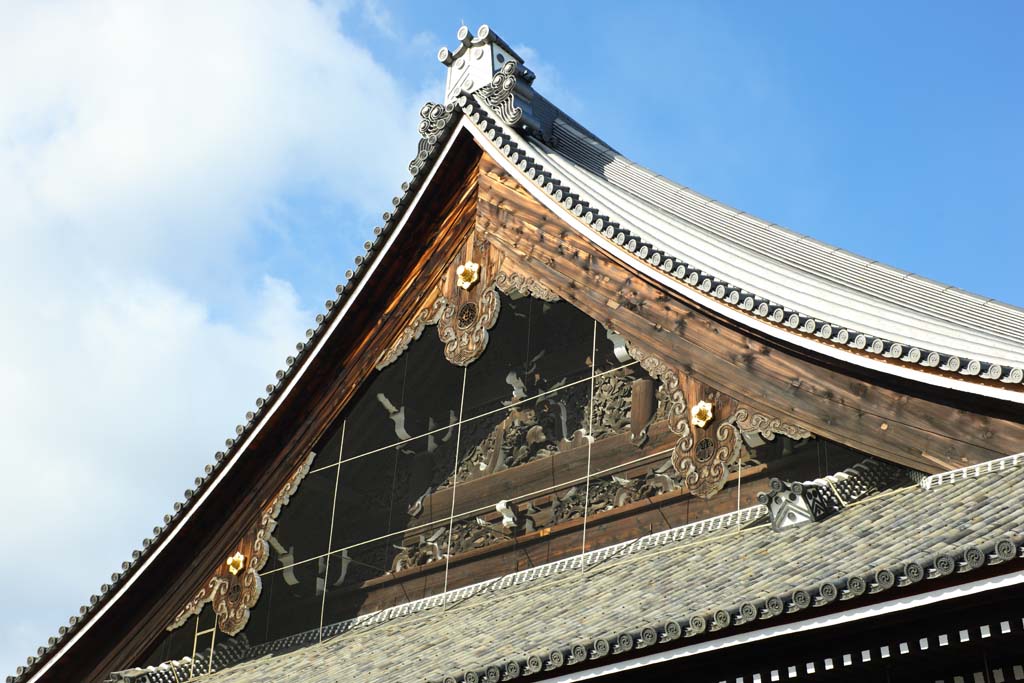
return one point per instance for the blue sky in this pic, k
(183, 184)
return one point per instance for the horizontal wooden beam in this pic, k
(918, 426)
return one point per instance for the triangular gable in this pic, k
(512, 245)
(540, 237)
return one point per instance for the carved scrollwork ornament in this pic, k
(705, 465)
(768, 426)
(465, 335)
(236, 586)
(427, 316)
(511, 282)
(677, 414)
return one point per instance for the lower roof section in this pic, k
(688, 584)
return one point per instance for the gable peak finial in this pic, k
(475, 61)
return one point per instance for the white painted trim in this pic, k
(868, 612)
(711, 303)
(289, 385)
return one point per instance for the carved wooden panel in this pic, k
(464, 303)
(710, 425)
(236, 586)
(471, 304)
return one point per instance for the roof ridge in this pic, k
(570, 122)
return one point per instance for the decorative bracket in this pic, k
(236, 585)
(767, 426)
(464, 325)
(509, 282)
(429, 315)
(704, 457)
(465, 315)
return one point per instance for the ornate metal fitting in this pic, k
(467, 274)
(701, 414)
(236, 563)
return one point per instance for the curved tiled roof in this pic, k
(915, 322)
(529, 622)
(758, 269)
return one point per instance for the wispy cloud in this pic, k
(140, 143)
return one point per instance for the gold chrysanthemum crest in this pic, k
(236, 563)
(701, 414)
(467, 274)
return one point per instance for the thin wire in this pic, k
(437, 523)
(330, 534)
(590, 441)
(195, 636)
(503, 408)
(455, 483)
(213, 643)
(739, 482)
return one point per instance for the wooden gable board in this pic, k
(919, 426)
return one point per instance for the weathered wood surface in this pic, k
(917, 425)
(910, 423)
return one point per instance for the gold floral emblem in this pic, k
(701, 414)
(467, 274)
(236, 563)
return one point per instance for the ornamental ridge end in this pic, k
(486, 66)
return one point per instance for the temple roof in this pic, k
(762, 275)
(703, 578)
(760, 271)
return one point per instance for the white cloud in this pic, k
(140, 143)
